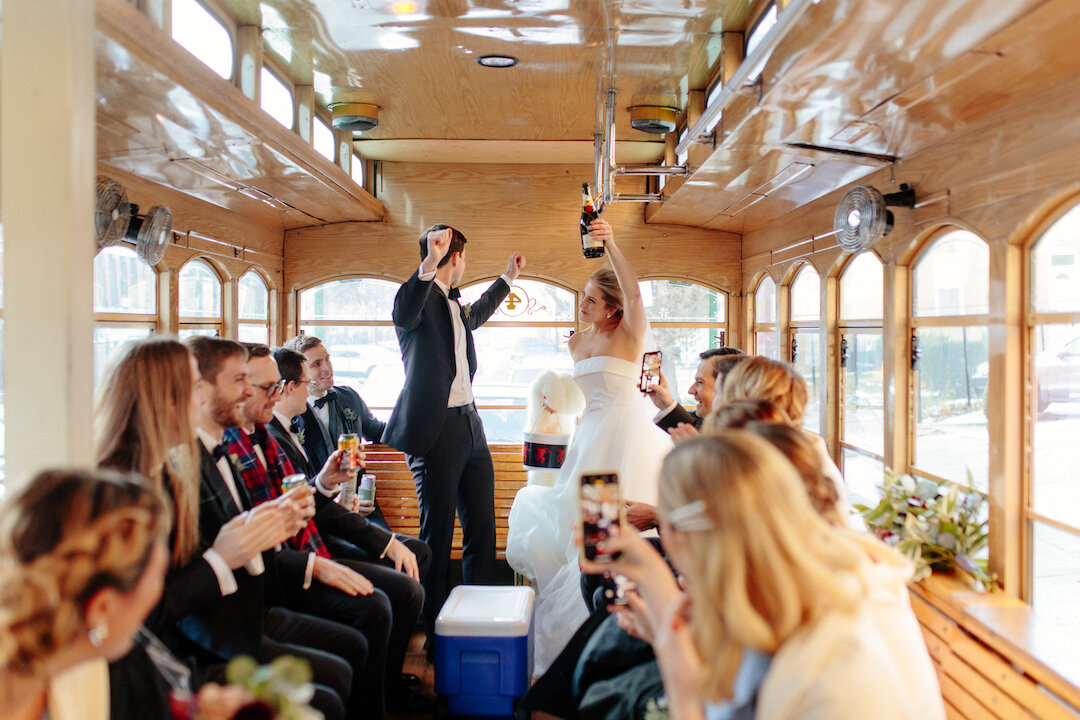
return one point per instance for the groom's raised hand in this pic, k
(438, 243)
(515, 266)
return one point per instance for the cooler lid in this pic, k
(486, 611)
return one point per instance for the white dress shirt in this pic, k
(461, 388)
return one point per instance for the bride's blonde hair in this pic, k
(69, 534)
(609, 289)
(770, 564)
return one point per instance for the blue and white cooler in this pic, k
(483, 648)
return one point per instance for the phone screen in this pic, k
(650, 369)
(601, 510)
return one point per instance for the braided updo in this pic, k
(67, 535)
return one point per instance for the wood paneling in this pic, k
(533, 209)
(516, 152)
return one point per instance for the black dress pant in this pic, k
(456, 474)
(372, 615)
(332, 650)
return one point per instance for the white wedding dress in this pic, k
(616, 432)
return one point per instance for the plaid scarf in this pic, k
(264, 483)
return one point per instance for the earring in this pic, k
(98, 634)
(609, 315)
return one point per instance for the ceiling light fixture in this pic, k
(497, 61)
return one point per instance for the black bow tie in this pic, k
(220, 450)
(259, 436)
(297, 425)
(454, 293)
(330, 395)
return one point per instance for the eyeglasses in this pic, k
(273, 388)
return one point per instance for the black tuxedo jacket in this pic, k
(333, 521)
(348, 414)
(426, 335)
(679, 415)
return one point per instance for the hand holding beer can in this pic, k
(348, 492)
(349, 445)
(291, 482)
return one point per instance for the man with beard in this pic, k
(332, 649)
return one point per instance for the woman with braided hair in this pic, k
(82, 561)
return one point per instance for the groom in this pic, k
(435, 421)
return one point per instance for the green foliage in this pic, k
(285, 685)
(940, 527)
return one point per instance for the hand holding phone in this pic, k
(600, 510)
(650, 369)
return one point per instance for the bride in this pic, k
(615, 433)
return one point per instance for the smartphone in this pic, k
(600, 510)
(616, 588)
(650, 369)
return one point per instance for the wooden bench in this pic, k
(984, 676)
(396, 492)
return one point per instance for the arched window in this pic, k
(254, 301)
(353, 318)
(125, 301)
(276, 98)
(523, 339)
(356, 170)
(200, 300)
(862, 395)
(765, 319)
(1053, 500)
(950, 302)
(203, 35)
(686, 319)
(806, 349)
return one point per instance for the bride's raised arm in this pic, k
(634, 320)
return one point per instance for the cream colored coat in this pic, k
(870, 664)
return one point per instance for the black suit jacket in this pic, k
(348, 414)
(333, 521)
(233, 624)
(426, 335)
(679, 415)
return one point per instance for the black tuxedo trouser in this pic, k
(332, 650)
(370, 615)
(456, 473)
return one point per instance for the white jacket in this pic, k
(869, 664)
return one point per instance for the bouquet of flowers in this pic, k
(282, 689)
(938, 526)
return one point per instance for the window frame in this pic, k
(268, 323)
(188, 322)
(225, 21)
(1032, 320)
(794, 327)
(755, 326)
(914, 323)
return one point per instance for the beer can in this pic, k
(348, 492)
(291, 482)
(366, 489)
(349, 445)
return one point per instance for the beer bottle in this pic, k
(590, 247)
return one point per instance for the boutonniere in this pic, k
(234, 461)
(467, 310)
(348, 414)
(301, 436)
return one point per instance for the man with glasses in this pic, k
(333, 410)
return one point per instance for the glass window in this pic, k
(353, 318)
(758, 31)
(277, 99)
(950, 299)
(125, 301)
(254, 302)
(523, 339)
(323, 139)
(1054, 407)
(862, 289)
(686, 319)
(806, 349)
(203, 35)
(200, 299)
(710, 99)
(356, 170)
(765, 342)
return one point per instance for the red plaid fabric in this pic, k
(264, 483)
